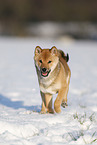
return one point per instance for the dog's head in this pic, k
(46, 60)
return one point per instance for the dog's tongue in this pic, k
(44, 74)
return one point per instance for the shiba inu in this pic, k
(53, 76)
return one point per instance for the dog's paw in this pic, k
(57, 109)
(64, 104)
(42, 112)
(50, 111)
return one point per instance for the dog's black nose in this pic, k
(43, 69)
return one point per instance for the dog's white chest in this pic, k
(48, 90)
(51, 89)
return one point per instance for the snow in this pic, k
(20, 100)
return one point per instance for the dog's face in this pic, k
(46, 60)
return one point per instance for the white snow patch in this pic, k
(22, 131)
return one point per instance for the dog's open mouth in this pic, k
(45, 74)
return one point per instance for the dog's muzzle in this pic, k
(45, 72)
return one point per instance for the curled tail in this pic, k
(62, 54)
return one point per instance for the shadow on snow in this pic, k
(17, 104)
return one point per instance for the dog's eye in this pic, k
(40, 61)
(49, 61)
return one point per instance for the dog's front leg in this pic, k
(43, 109)
(58, 101)
(46, 103)
(48, 99)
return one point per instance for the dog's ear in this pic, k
(38, 50)
(54, 50)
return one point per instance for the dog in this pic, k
(53, 76)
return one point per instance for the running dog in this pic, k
(53, 76)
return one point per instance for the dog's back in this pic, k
(64, 59)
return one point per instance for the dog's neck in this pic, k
(50, 79)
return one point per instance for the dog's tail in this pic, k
(62, 54)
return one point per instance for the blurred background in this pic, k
(49, 18)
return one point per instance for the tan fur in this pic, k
(57, 79)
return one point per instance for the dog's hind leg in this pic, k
(64, 101)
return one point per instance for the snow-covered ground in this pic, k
(20, 101)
